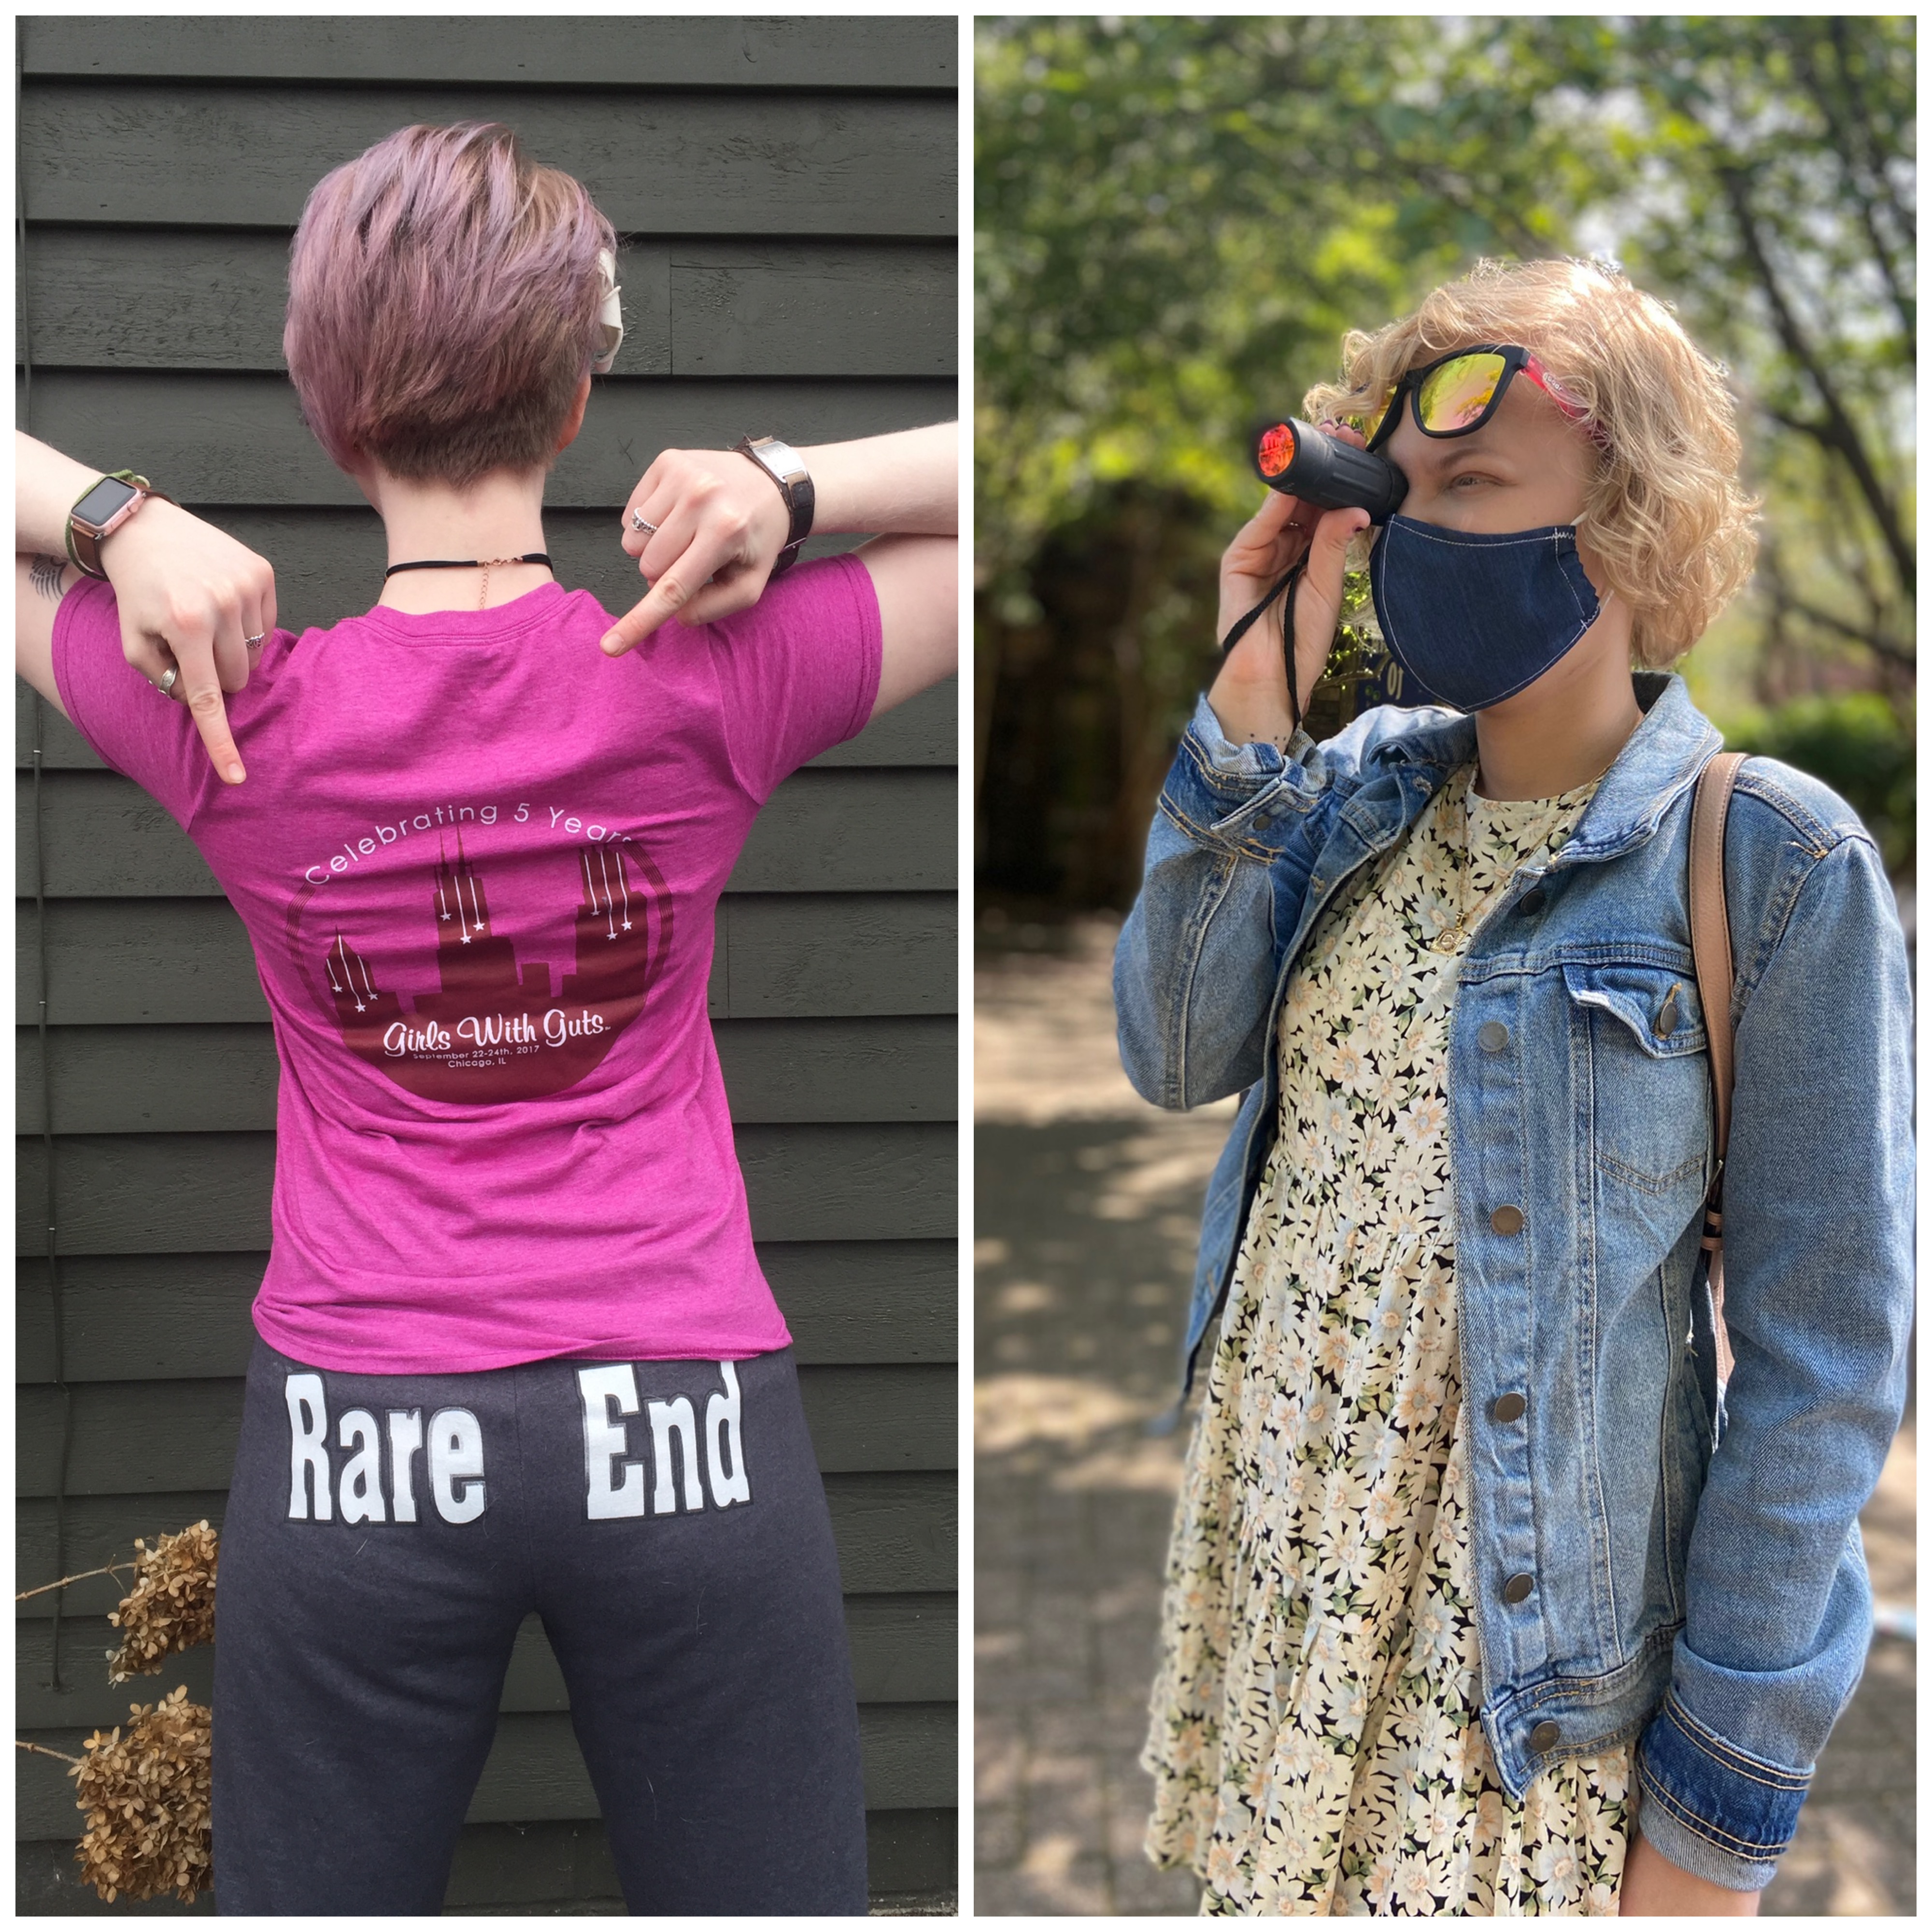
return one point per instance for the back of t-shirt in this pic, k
(478, 860)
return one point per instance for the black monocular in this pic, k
(1300, 461)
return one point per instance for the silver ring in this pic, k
(253, 642)
(637, 522)
(165, 683)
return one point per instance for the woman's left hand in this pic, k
(1653, 1888)
(191, 599)
(720, 525)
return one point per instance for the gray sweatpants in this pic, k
(386, 1535)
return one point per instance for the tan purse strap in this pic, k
(1711, 951)
(1711, 926)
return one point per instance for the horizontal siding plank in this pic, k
(900, 948)
(854, 831)
(923, 731)
(535, 1770)
(238, 439)
(198, 299)
(132, 1437)
(560, 1865)
(225, 439)
(182, 1193)
(905, 1650)
(201, 299)
(851, 830)
(137, 962)
(187, 962)
(896, 1531)
(100, 1530)
(158, 1318)
(663, 164)
(86, 1696)
(549, 1866)
(146, 1079)
(780, 309)
(623, 50)
(172, 1079)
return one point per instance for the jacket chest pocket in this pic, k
(1649, 1065)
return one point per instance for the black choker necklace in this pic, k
(469, 563)
(485, 564)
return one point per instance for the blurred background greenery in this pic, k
(1176, 219)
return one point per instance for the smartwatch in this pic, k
(786, 468)
(99, 513)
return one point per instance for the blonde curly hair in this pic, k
(1666, 512)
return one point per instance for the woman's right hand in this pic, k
(1250, 695)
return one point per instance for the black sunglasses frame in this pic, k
(1410, 385)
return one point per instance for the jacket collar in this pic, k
(1662, 757)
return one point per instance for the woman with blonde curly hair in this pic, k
(1484, 1544)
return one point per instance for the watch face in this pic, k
(103, 500)
(781, 457)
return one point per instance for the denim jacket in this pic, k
(1684, 1561)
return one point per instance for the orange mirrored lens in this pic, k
(1277, 450)
(1452, 398)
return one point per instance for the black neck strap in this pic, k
(1291, 582)
(470, 562)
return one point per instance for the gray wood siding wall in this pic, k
(786, 191)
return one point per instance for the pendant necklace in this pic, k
(1455, 935)
(486, 564)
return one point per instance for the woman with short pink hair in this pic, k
(515, 1353)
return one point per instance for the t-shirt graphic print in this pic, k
(453, 1006)
(479, 863)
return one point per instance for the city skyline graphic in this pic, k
(495, 1028)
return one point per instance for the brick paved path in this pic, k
(1086, 1218)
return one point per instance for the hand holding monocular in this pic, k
(1302, 461)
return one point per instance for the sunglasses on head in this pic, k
(1458, 393)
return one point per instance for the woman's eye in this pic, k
(1467, 480)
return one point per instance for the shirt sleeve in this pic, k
(136, 730)
(799, 672)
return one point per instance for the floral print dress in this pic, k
(1314, 1739)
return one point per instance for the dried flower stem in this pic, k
(171, 1607)
(80, 1576)
(146, 1798)
(44, 1752)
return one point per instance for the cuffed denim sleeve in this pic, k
(1818, 1301)
(1234, 834)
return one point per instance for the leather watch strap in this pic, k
(83, 545)
(1711, 952)
(786, 468)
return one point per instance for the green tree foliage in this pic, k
(1177, 219)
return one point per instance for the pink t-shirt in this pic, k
(478, 861)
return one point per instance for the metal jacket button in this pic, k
(1506, 1220)
(1518, 1587)
(1544, 1737)
(1507, 1408)
(1530, 903)
(1492, 1036)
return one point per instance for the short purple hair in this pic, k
(443, 292)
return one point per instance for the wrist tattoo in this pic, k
(45, 574)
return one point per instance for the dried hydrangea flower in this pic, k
(146, 1798)
(171, 1607)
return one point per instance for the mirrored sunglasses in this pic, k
(1458, 393)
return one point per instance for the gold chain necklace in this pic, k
(1454, 936)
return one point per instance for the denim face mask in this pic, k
(1473, 618)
